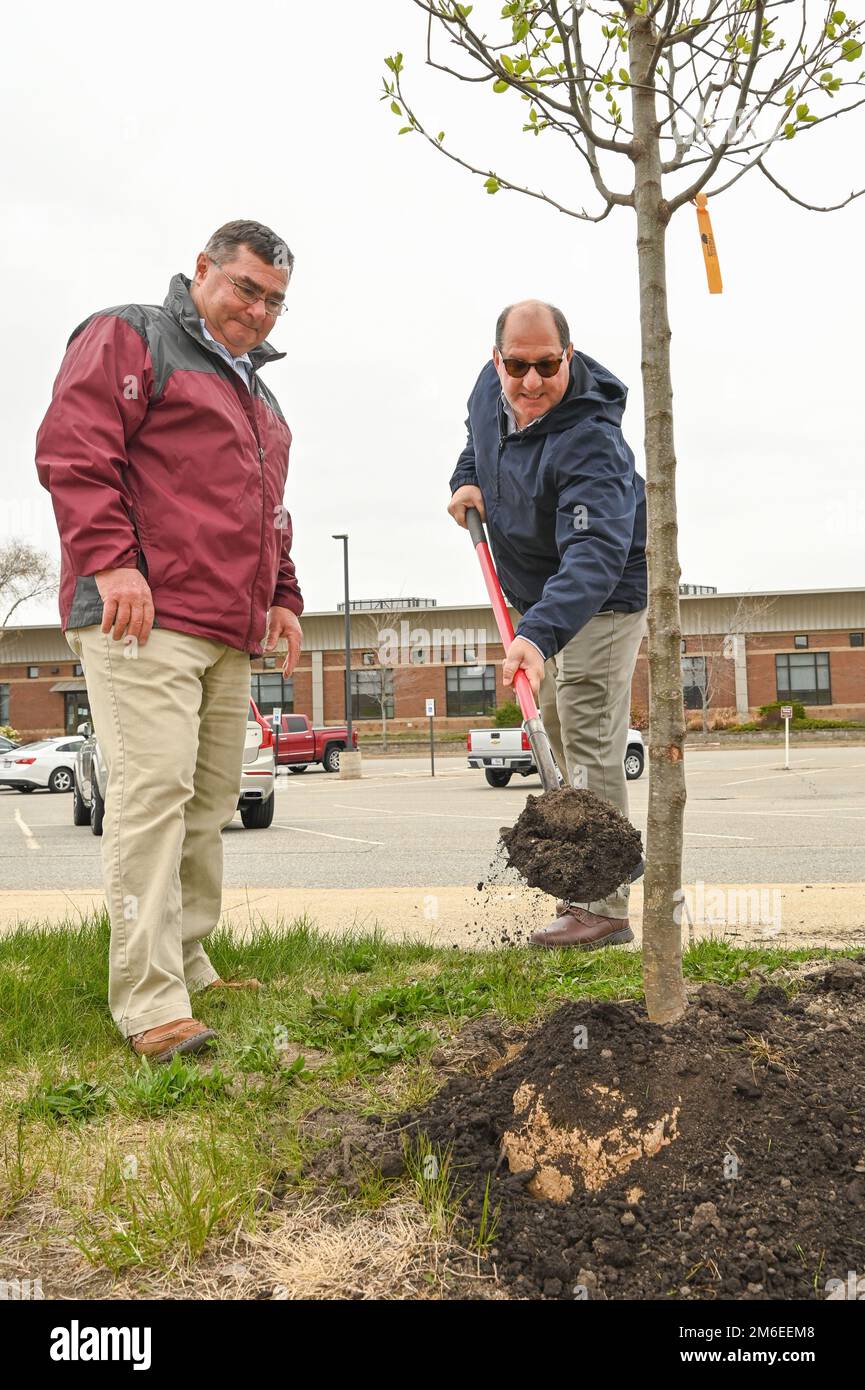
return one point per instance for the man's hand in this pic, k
(466, 496)
(522, 654)
(281, 622)
(127, 603)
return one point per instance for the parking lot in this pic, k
(747, 820)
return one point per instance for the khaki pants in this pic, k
(171, 724)
(585, 705)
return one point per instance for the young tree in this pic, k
(717, 649)
(682, 98)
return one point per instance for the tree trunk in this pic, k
(662, 936)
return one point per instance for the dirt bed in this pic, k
(722, 1157)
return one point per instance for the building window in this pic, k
(370, 690)
(78, 669)
(77, 711)
(857, 639)
(272, 692)
(32, 672)
(693, 681)
(803, 676)
(471, 690)
(4, 704)
(801, 639)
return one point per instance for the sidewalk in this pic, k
(785, 914)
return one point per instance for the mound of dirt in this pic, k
(573, 844)
(722, 1157)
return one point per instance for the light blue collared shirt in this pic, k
(242, 365)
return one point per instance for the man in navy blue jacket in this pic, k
(548, 468)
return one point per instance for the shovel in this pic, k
(550, 777)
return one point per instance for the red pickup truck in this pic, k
(300, 744)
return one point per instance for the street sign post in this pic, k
(786, 715)
(431, 709)
(276, 725)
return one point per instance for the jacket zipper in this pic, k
(251, 417)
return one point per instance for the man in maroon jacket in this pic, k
(166, 459)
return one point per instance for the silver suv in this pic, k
(255, 797)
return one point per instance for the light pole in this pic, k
(349, 762)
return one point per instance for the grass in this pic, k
(116, 1167)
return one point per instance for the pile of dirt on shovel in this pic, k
(573, 844)
(721, 1157)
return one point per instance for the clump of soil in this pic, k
(721, 1157)
(572, 843)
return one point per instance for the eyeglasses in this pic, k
(251, 296)
(547, 367)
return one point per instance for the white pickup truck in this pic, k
(502, 752)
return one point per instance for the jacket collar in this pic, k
(179, 303)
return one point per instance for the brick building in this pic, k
(738, 651)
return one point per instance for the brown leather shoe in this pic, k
(234, 984)
(162, 1043)
(576, 926)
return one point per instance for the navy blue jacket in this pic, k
(566, 509)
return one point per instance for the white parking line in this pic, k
(776, 776)
(431, 815)
(327, 835)
(712, 835)
(29, 838)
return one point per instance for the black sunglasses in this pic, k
(547, 367)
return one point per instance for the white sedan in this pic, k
(47, 763)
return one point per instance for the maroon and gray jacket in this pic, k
(157, 456)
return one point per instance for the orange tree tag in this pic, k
(710, 254)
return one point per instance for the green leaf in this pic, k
(851, 50)
(396, 108)
(507, 62)
(501, 85)
(624, 74)
(440, 136)
(802, 111)
(492, 184)
(405, 130)
(838, 17)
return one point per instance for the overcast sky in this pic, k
(131, 136)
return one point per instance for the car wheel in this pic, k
(498, 777)
(257, 815)
(298, 767)
(634, 763)
(331, 758)
(60, 780)
(97, 809)
(80, 809)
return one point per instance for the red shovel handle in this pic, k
(522, 684)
